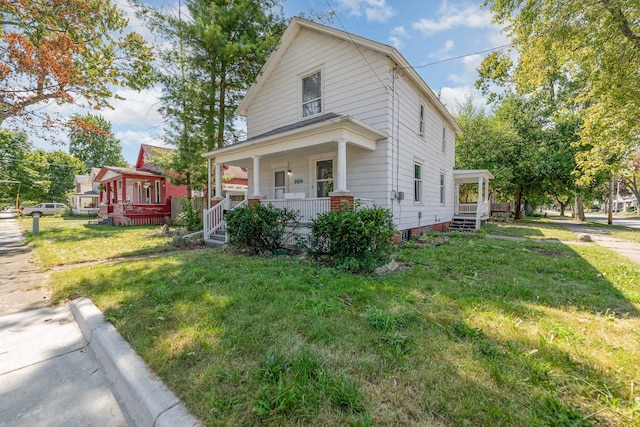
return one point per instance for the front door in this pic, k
(279, 184)
(324, 177)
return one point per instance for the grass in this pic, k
(532, 228)
(64, 241)
(472, 332)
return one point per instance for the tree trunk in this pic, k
(527, 207)
(579, 208)
(519, 202)
(610, 214)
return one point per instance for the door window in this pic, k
(324, 177)
(279, 184)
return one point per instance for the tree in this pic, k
(14, 150)
(593, 46)
(217, 52)
(66, 51)
(55, 171)
(91, 141)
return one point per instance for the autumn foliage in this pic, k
(66, 51)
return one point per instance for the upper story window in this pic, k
(311, 94)
(421, 123)
(444, 138)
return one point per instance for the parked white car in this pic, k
(43, 209)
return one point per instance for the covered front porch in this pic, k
(130, 196)
(302, 167)
(472, 206)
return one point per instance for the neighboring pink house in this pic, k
(137, 196)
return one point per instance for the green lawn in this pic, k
(72, 240)
(472, 332)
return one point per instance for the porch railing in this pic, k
(212, 217)
(308, 209)
(473, 209)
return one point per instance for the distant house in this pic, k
(137, 196)
(333, 118)
(85, 199)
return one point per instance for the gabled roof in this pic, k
(110, 172)
(292, 31)
(146, 152)
(81, 179)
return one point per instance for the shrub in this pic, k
(260, 228)
(189, 216)
(355, 240)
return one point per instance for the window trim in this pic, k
(443, 189)
(158, 190)
(301, 78)
(418, 186)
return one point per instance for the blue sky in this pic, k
(425, 32)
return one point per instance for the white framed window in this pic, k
(147, 194)
(312, 94)
(421, 120)
(444, 138)
(139, 192)
(279, 186)
(324, 177)
(158, 192)
(442, 189)
(417, 182)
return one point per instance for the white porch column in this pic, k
(480, 200)
(486, 198)
(208, 182)
(341, 179)
(218, 180)
(256, 176)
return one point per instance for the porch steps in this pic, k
(461, 223)
(216, 241)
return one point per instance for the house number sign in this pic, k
(298, 181)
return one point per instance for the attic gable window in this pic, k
(311, 94)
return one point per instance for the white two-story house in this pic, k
(333, 118)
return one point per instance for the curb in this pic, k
(144, 398)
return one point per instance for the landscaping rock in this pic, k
(387, 268)
(583, 237)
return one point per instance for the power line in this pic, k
(463, 56)
(334, 13)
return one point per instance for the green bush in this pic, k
(188, 218)
(260, 228)
(355, 240)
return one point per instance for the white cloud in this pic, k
(397, 35)
(466, 15)
(469, 72)
(135, 138)
(453, 97)
(374, 10)
(136, 108)
(444, 52)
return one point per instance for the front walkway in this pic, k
(626, 248)
(599, 236)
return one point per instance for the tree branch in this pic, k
(623, 23)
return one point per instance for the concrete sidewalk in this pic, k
(68, 366)
(600, 236)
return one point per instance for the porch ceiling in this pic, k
(471, 175)
(313, 136)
